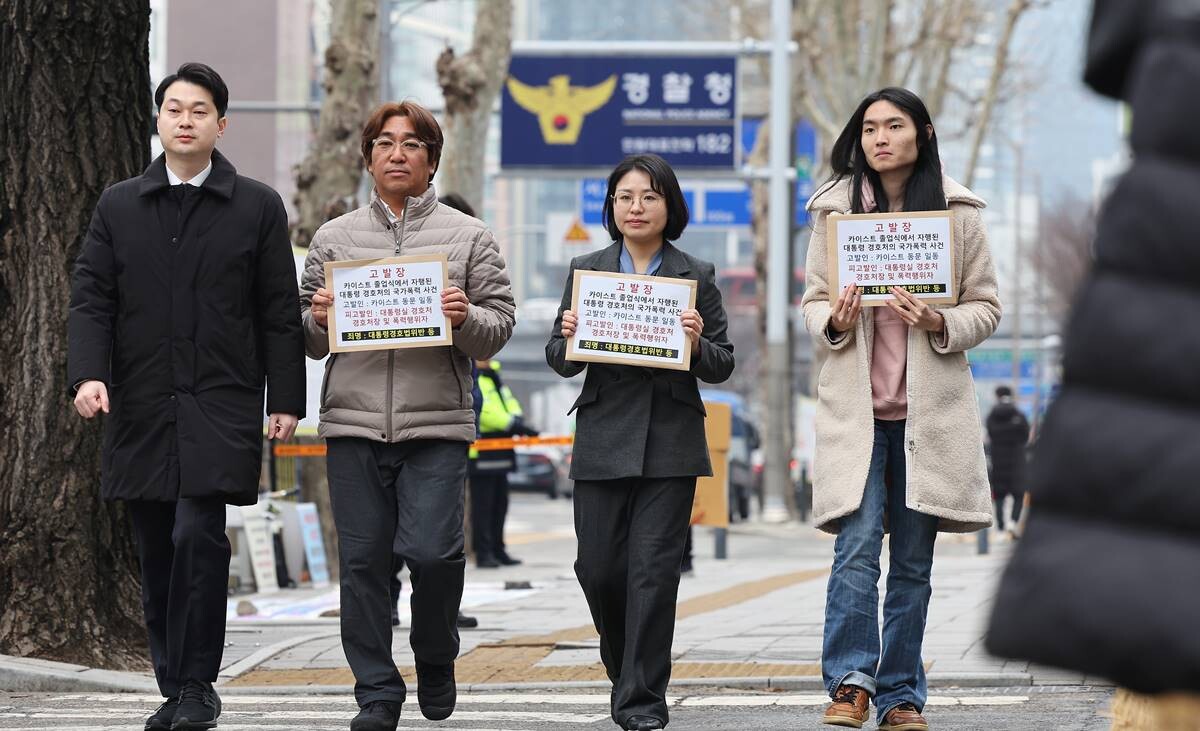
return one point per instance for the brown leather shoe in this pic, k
(904, 717)
(849, 707)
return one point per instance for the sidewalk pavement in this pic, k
(751, 621)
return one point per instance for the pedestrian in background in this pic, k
(1106, 580)
(183, 312)
(640, 445)
(899, 443)
(398, 422)
(501, 417)
(1008, 433)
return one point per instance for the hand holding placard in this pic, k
(321, 302)
(846, 308)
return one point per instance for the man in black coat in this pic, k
(1008, 432)
(1106, 580)
(183, 303)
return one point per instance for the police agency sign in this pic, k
(591, 111)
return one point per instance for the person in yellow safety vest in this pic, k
(501, 417)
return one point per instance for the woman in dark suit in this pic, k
(639, 445)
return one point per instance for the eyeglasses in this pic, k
(649, 200)
(387, 145)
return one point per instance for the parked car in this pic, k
(540, 469)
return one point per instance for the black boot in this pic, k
(465, 622)
(506, 560)
(377, 716)
(436, 691)
(643, 723)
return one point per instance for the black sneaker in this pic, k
(377, 716)
(436, 691)
(161, 719)
(199, 707)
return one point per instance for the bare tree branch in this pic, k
(1015, 9)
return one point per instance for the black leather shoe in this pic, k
(506, 560)
(377, 716)
(436, 691)
(465, 622)
(199, 707)
(486, 561)
(643, 723)
(161, 719)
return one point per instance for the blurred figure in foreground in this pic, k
(1107, 578)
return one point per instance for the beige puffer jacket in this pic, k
(410, 393)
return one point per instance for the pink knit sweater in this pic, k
(889, 366)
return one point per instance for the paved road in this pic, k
(1066, 708)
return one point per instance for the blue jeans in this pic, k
(852, 652)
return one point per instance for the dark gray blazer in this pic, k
(645, 422)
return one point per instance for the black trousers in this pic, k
(631, 535)
(489, 510)
(392, 502)
(184, 555)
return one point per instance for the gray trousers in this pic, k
(631, 535)
(403, 500)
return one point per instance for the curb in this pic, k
(19, 674)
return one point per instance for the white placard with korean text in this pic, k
(380, 304)
(914, 251)
(631, 319)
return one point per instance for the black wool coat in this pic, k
(645, 422)
(187, 309)
(1008, 431)
(1106, 580)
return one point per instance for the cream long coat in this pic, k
(947, 473)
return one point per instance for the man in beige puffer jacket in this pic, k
(398, 422)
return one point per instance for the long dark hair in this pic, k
(923, 191)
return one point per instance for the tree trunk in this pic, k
(470, 84)
(327, 181)
(76, 118)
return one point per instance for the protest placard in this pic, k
(914, 251)
(631, 319)
(394, 302)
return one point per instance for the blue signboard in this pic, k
(592, 111)
(727, 207)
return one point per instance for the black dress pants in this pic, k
(401, 501)
(631, 534)
(489, 510)
(184, 555)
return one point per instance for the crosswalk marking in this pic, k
(476, 712)
(516, 699)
